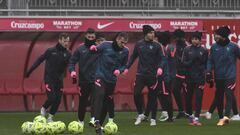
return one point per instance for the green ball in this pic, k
(61, 127)
(75, 127)
(27, 127)
(114, 127)
(51, 128)
(110, 128)
(39, 128)
(40, 119)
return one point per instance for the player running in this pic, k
(56, 61)
(113, 57)
(87, 65)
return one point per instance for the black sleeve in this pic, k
(205, 58)
(39, 61)
(185, 58)
(124, 63)
(133, 57)
(179, 55)
(237, 51)
(73, 60)
(162, 57)
(210, 63)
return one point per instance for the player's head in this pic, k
(196, 38)
(221, 34)
(179, 35)
(121, 39)
(100, 38)
(64, 39)
(164, 37)
(90, 37)
(149, 32)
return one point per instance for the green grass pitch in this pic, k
(10, 124)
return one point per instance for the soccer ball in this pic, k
(75, 127)
(110, 128)
(27, 127)
(114, 127)
(40, 119)
(51, 128)
(39, 128)
(60, 127)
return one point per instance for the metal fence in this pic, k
(52, 7)
(134, 4)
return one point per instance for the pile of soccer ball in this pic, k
(39, 126)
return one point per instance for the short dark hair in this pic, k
(99, 35)
(197, 35)
(90, 31)
(123, 35)
(223, 31)
(63, 35)
(164, 37)
(178, 33)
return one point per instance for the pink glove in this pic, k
(125, 72)
(74, 74)
(116, 72)
(159, 72)
(93, 48)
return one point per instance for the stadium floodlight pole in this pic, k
(9, 7)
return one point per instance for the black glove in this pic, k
(211, 84)
(209, 77)
(74, 80)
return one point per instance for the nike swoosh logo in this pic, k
(101, 26)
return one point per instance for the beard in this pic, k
(116, 47)
(88, 42)
(223, 42)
